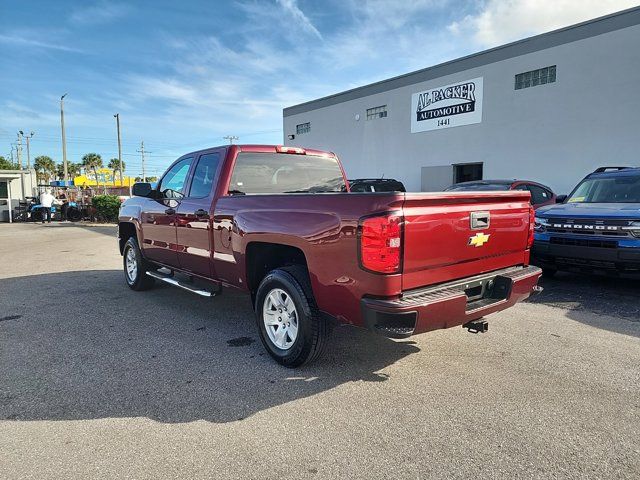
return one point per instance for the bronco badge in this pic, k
(479, 239)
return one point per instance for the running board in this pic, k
(184, 286)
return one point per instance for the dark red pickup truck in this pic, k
(276, 222)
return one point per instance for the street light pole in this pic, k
(64, 141)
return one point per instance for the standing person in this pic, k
(62, 199)
(46, 202)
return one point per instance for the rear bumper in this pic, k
(623, 261)
(448, 305)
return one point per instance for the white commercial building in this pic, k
(550, 108)
(15, 185)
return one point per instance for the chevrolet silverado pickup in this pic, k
(281, 224)
(596, 229)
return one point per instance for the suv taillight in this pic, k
(532, 223)
(380, 240)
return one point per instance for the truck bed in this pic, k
(326, 227)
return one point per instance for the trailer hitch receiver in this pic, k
(477, 326)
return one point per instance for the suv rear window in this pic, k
(615, 189)
(256, 173)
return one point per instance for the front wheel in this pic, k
(291, 328)
(135, 267)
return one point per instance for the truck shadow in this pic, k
(598, 301)
(81, 345)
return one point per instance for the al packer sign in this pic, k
(448, 106)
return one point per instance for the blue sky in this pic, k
(183, 74)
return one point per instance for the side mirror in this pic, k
(561, 198)
(141, 189)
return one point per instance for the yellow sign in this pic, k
(479, 239)
(106, 178)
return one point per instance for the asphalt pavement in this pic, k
(98, 381)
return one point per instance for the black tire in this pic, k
(314, 331)
(549, 272)
(73, 214)
(140, 281)
(36, 216)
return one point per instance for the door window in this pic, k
(539, 195)
(172, 184)
(204, 175)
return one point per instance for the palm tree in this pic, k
(73, 170)
(92, 161)
(45, 168)
(114, 165)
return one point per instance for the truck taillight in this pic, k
(532, 223)
(380, 240)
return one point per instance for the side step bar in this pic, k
(184, 286)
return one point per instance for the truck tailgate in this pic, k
(453, 235)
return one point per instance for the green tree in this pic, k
(45, 168)
(114, 165)
(73, 170)
(7, 165)
(92, 161)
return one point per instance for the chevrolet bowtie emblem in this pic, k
(479, 239)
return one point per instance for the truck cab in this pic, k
(595, 229)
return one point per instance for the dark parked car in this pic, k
(541, 195)
(376, 185)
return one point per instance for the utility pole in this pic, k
(142, 152)
(19, 149)
(64, 141)
(117, 115)
(28, 137)
(231, 138)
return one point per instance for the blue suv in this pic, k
(595, 229)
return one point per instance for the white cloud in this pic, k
(28, 41)
(100, 12)
(291, 7)
(502, 21)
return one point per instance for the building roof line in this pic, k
(580, 31)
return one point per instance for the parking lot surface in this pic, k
(99, 381)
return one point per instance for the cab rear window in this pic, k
(256, 173)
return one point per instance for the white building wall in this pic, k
(554, 133)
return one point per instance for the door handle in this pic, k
(201, 213)
(170, 211)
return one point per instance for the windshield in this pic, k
(620, 189)
(480, 187)
(285, 173)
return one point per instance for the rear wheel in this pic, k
(73, 214)
(136, 267)
(291, 328)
